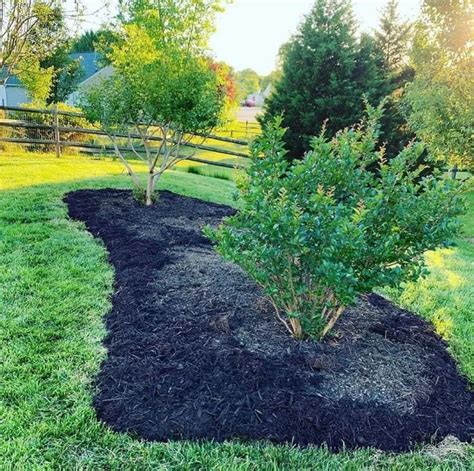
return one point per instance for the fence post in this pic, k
(56, 131)
(454, 171)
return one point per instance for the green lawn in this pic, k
(55, 287)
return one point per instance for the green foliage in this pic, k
(191, 22)
(162, 85)
(320, 231)
(36, 80)
(248, 82)
(270, 80)
(90, 41)
(51, 270)
(441, 98)
(31, 30)
(23, 50)
(326, 71)
(67, 73)
(48, 119)
(393, 37)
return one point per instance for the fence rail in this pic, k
(55, 130)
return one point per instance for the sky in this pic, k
(250, 32)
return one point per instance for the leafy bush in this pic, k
(317, 233)
(48, 119)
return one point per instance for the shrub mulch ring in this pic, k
(195, 351)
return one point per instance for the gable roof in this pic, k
(90, 62)
(11, 80)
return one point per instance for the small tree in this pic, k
(317, 233)
(160, 90)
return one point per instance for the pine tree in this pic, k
(326, 72)
(393, 37)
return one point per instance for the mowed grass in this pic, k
(55, 289)
(446, 296)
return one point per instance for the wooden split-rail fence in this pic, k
(48, 128)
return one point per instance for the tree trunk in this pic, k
(149, 189)
(296, 328)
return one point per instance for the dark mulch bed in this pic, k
(194, 351)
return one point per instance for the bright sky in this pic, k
(250, 32)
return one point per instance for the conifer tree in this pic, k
(326, 72)
(393, 37)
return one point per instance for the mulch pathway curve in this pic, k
(195, 352)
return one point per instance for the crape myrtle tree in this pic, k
(441, 98)
(162, 87)
(317, 232)
(326, 70)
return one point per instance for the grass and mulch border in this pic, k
(51, 332)
(195, 350)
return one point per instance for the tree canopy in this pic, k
(29, 31)
(326, 71)
(163, 84)
(441, 98)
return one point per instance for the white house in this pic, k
(13, 93)
(258, 99)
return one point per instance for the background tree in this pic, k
(228, 86)
(441, 98)
(393, 36)
(91, 41)
(42, 42)
(36, 79)
(163, 85)
(29, 30)
(67, 73)
(248, 82)
(326, 71)
(392, 40)
(270, 80)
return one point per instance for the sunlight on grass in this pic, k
(443, 323)
(55, 289)
(446, 296)
(26, 169)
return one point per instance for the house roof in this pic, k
(90, 62)
(12, 80)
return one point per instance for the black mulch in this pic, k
(194, 351)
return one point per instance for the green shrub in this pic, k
(48, 119)
(318, 232)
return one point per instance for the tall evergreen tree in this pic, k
(325, 74)
(392, 40)
(393, 37)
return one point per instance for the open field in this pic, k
(55, 288)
